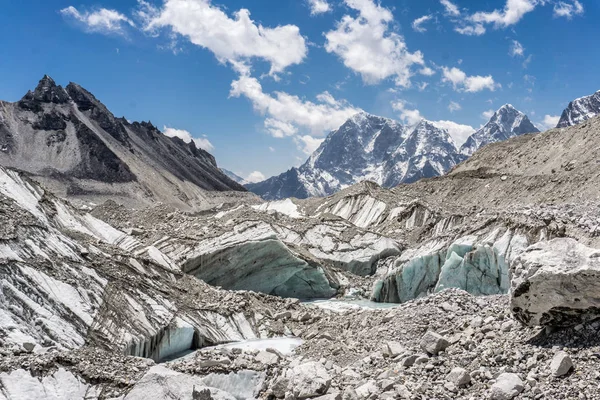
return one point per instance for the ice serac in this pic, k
(69, 141)
(556, 283)
(366, 148)
(251, 257)
(478, 264)
(580, 110)
(507, 122)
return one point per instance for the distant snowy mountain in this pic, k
(507, 122)
(580, 110)
(366, 147)
(234, 177)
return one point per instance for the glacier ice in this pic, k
(476, 264)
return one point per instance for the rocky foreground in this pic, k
(442, 289)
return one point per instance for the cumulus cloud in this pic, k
(550, 121)
(517, 49)
(417, 24)
(291, 111)
(280, 129)
(368, 45)
(472, 84)
(568, 10)
(487, 114)
(318, 6)
(255, 177)
(451, 8)
(458, 132)
(409, 116)
(187, 137)
(236, 39)
(513, 12)
(454, 106)
(308, 144)
(103, 20)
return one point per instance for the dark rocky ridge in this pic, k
(74, 144)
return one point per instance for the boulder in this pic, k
(507, 387)
(561, 364)
(459, 377)
(309, 380)
(433, 343)
(267, 358)
(556, 283)
(394, 349)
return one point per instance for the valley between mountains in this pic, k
(391, 265)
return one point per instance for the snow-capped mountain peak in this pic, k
(506, 122)
(580, 110)
(366, 147)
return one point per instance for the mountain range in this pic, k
(68, 140)
(369, 147)
(71, 143)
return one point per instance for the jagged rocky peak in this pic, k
(366, 147)
(580, 110)
(507, 122)
(47, 91)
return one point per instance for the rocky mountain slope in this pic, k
(366, 147)
(580, 110)
(234, 177)
(72, 143)
(507, 122)
(386, 152)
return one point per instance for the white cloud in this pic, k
(308, 144)
(409, 117)
(513, 12)
(100, 21)
(255, 177)
(271, 149)
(187, 137)
(487, 114)
(422, 86)
(417, 24)
(459, 133)
(235, 40)
(550, 121)
(527, 61)
(471, 84)
(412, 117)
(280, 129)
(562, 9)
(451, 8)
(454, 106)
(318, 118)
(471, 30)
(318, 6)
(517, 49)
(368, 45)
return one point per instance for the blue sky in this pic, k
(260, 82)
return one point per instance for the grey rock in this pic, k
(561, 364)
(507, 387)
(459, 377)
(433, 343)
